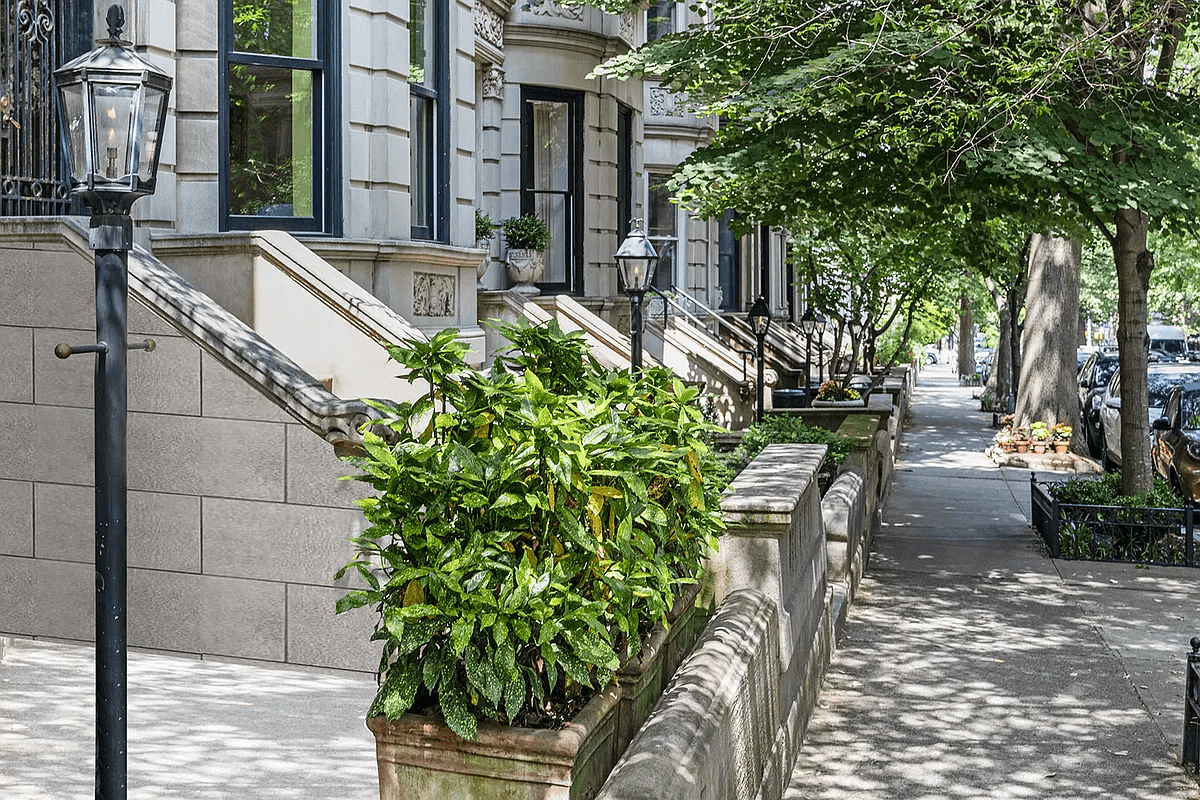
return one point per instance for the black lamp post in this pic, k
(808, 324)
(636, 260)
(760, 323)
(819, 329)
(113, 106)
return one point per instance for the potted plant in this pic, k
(526, 237)
(833, 394)
(1039, 435)
(1021, 438)
(485, 231)
(527, 525)
(1004, 440)
(1060, 435)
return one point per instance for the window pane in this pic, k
(271, 141)
(554, 211)
(274, 27)
(421, 148)
(551, 146)
(660, 19)
(661, 210)
(112, 108)
(422, 67)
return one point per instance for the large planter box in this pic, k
(420, 758)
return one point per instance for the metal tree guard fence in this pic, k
(1163, 536)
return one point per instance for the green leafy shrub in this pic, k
(485, 227)
(527, 526)
(526, 232)
(1106, 491)
(787, 429)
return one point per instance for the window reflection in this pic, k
(271, 142)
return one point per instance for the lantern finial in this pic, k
(116, 21)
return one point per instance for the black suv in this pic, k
(1093, 377)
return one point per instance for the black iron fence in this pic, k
(1113, 533)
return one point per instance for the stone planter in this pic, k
(642, 679)
(524, 267)
(859, 403)
(420, 757)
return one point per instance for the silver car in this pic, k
(1160, 379)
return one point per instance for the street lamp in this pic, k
(636, 260)
(113, 106)
(760, 323)
(808, 324)
(816, 325)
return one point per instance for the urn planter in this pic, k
(524, 267)
(486, 261)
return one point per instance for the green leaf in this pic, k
(458, 716)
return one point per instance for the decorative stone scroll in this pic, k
(493, 83)
(665, 103)
(433, 295)
(489, 25)
(548, 8)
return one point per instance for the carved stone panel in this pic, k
(665, 103)
(434, 295)
(548, 8)
(489, 25)
(493, 83)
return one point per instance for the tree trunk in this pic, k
(1134, 265)
(966, 338)
(1048, 387)
(1002, 367)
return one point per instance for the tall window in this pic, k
(663, 229)
(428, 86)
(660, 19)
(279, 128)
(550, 179)
(624, 170)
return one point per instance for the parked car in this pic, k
(1161, 378)
(1176, 448)
(1167, 343)
(1094, 376)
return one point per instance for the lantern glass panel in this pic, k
(633, 273)
(113, 112)
(153, 121)
(71, 98)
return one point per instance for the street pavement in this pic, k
(974, 666)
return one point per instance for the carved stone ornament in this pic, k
(665, 103)
(489, 25)
(433, 295)
(627, 27)
(548, 8)
(493, 83)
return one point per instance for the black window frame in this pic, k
(326, 124)
(574, 100)
(437, 190)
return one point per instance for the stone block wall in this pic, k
(237, 518)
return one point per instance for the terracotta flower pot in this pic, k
(1022, 447)
(1039, 448)
(1061, 447)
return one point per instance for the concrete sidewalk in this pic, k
(197, 729)
(974, 666)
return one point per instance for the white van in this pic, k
(1167, 343)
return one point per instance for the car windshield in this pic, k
(1172, 347)
(1161, 383)
(1189, 410)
